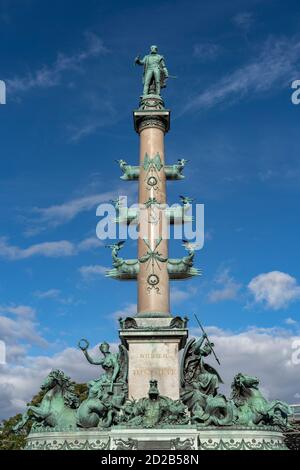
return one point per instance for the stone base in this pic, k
(153, 353)
(234, 438)
(181, 437)
(68, 440)
(175, 438)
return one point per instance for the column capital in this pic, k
(148, 118)
(151, 113)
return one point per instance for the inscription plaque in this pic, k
(154, 445)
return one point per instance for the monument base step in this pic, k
(172, 438)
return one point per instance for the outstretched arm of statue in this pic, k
(139, 61)
(84, 345)
(91, 360)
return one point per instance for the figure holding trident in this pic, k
(195, 370)
(155, 72)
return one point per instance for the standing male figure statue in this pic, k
(155, 72)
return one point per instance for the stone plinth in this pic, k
(94, 439)
(241, 438)
(165, 438)
(178, 437)
(153, 351)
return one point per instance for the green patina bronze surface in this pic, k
(155, 72)
(174, 215)
(60, 408)
(200, 382)
(69, 445)
(172, 172)
(242, 444)
(129, 323)
(128, 269)
(125, 215)
(153, 411)
(252, 408)
(246, 406)
(109, 391)
(200, 403)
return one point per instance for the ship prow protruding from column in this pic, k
(128, 269)
(172, 172)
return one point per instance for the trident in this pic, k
(203, 331)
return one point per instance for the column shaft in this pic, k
(153, 279)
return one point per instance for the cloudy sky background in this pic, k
(71, 89)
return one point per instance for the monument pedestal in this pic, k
(175, 438)
(153, 353)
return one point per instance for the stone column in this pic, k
(154, 342)
(153, 278)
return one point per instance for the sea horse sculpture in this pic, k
(252, 408)
(58, 406)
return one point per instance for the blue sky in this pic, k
(71, 89)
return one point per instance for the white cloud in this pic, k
(61, 213)
(263, 353)
(48, 294)
(92, 271)
(22, 381)
(128, 311)
(290, 321)
(67, 211)
(20, 330)
(244, 20)
(80, 131)
(48, 249)
(55, 249)
(56, 295)
(89, 243)
(274, 289)
(274, 66)
(179, 295)
(19, 382)
(91, 124)
(207, 51)
(21, 310)
(50, 76)
(227, 287)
